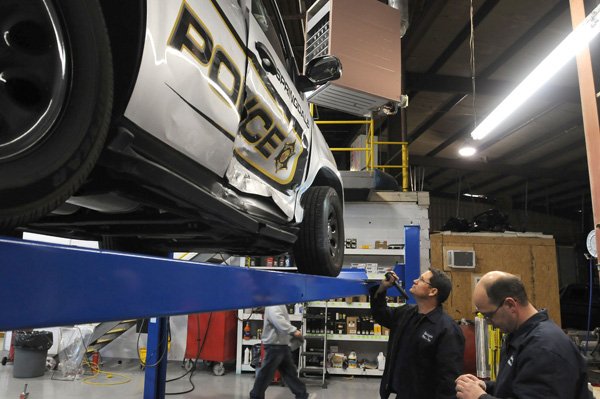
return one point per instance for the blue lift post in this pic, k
(412, 258)
(51, 285)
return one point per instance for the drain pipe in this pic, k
(402, 5)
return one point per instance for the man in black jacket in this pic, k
(426, 347)
(537, 359)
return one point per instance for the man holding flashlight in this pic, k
(426, 347)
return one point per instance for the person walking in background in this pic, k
(537, 359)
(276, 336)
(426, 347)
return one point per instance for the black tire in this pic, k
(55, 103)
(320, 246)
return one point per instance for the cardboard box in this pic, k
(381, 244)
(351, 324)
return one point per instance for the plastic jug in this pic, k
(352, 360)
(380, 361)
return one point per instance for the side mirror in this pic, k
(320, 70)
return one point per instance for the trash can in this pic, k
(31, 349)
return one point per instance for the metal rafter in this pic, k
(540, 25)
(495, 167)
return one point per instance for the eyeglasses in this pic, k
(423, 280)
(490, 315)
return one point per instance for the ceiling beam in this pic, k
(551, 136)
(437, 115)
(532, 32)
(548, 191)
(539, 26)
(484, 183)
(430, 10)
(460, 38)
(506, 187)
(464, 132)
(416, 81)
(495, 167)
(579, 144)
(449, 183)
(583, 197)
(480, 15)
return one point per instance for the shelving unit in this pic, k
(366, 346)
(311, 352)
(351, 337)
(256, 322)
(370, 251)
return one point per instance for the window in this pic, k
(266, 16)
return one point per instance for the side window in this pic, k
(265, 15)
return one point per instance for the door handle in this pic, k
(267, 61)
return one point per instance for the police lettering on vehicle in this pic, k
(205, 52)
(279, 147)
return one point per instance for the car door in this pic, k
(273, 140)
(189, 91)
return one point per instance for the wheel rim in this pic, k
(33, 74)
(333, 233)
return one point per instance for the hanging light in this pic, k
(575, 42)
(467, 151)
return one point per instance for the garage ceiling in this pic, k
(537, 159)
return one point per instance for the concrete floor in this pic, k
(208, 386)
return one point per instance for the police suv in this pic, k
(165, 125)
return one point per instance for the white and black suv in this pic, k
(165, 125)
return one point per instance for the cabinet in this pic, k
(339, 329)
(254, 319)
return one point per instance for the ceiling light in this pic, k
(467, 151)
(474, 195)
(563, 53)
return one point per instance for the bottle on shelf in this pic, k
(247, 354)
(247, 334)
(380, 361)
(352, 363)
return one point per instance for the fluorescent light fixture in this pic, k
(575, 42)
(474, 195)
(467, 151)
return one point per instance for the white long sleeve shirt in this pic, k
(277, 329)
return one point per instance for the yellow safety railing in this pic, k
(369, 148)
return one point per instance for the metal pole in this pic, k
(156, 358)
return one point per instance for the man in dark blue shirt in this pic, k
(426, 347)
(537, 359)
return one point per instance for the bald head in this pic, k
(499, 285)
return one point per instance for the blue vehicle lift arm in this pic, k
(48, 285)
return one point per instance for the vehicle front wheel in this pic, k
(320, 246)
(56, 89)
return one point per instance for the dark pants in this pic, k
(277, 357)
